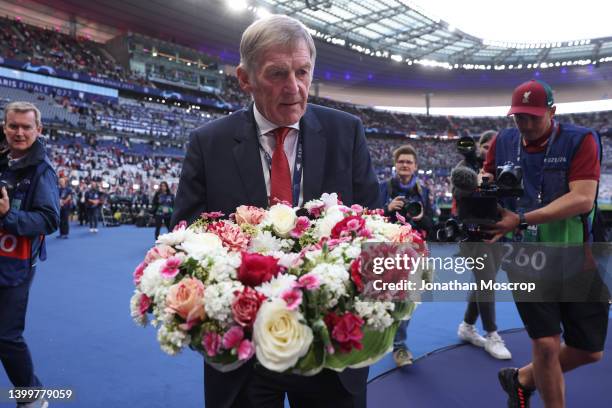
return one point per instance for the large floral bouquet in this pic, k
(284, 285)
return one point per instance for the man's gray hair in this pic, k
(276, 30)
(23, 107)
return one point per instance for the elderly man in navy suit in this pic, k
(280, 148)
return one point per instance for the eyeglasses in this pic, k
(404, 162)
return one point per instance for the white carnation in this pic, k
(325, 224)
(265, 242)
(173, 238)
(201, 244)
(277, 285)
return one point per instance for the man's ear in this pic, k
(243, 79)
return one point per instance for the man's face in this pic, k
(533, 127)
(21, 132)
(483, 149)
(62, 182)
(406, 165)
(280, 83)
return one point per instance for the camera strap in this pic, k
(551, 140)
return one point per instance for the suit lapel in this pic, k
(248, 160)
(314, 155)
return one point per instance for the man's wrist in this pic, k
(522, 221)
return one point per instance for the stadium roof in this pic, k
(405, 32)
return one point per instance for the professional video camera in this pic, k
(478, 204)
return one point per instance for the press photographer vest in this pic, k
(18, 253)
(545, 178)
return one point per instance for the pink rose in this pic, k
(186, 299)
(246, 349)
(171, 268)
(159, 252)
(143, 304)
(248, 214)
(301, 225)
(246, 305)
(231, 236)
(211, 343)
(309, 282)
(293, 298)
(138, 272)
(233, 337)
(345, 330)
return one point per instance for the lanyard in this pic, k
(519, 151)
(297, 166)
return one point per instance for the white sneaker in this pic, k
(39, 403)
(469, 333)
(91, 230)
(95, 230)
(496, 347)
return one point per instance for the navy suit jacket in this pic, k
(223, 170)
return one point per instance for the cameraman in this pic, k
(404, 194)
(561, 169)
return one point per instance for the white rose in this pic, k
(283, 219)
(280, 339)
(200, 244)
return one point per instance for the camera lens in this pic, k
(413, 208)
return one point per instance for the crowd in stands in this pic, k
(123, 163)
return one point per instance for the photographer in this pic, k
(480, 303)
(29, 210)
(405, 195)
(561, 168)
(163, 206)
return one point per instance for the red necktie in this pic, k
(280, 175)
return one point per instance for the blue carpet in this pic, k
(82, 337)
(466, 377)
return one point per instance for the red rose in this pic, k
(345, 330)
(347, 226)
(256, 269)
(245, 306)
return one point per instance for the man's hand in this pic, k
(396, 204)
(508, 223)
(5, 205)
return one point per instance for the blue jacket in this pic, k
(548, 173)
(34, 213)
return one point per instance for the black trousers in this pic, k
(14, 351)
(267, 389)
(482, 303)
(64, 226)
(159, 220)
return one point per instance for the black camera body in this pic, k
(9, 188)
(480, 206)
(412, 207)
